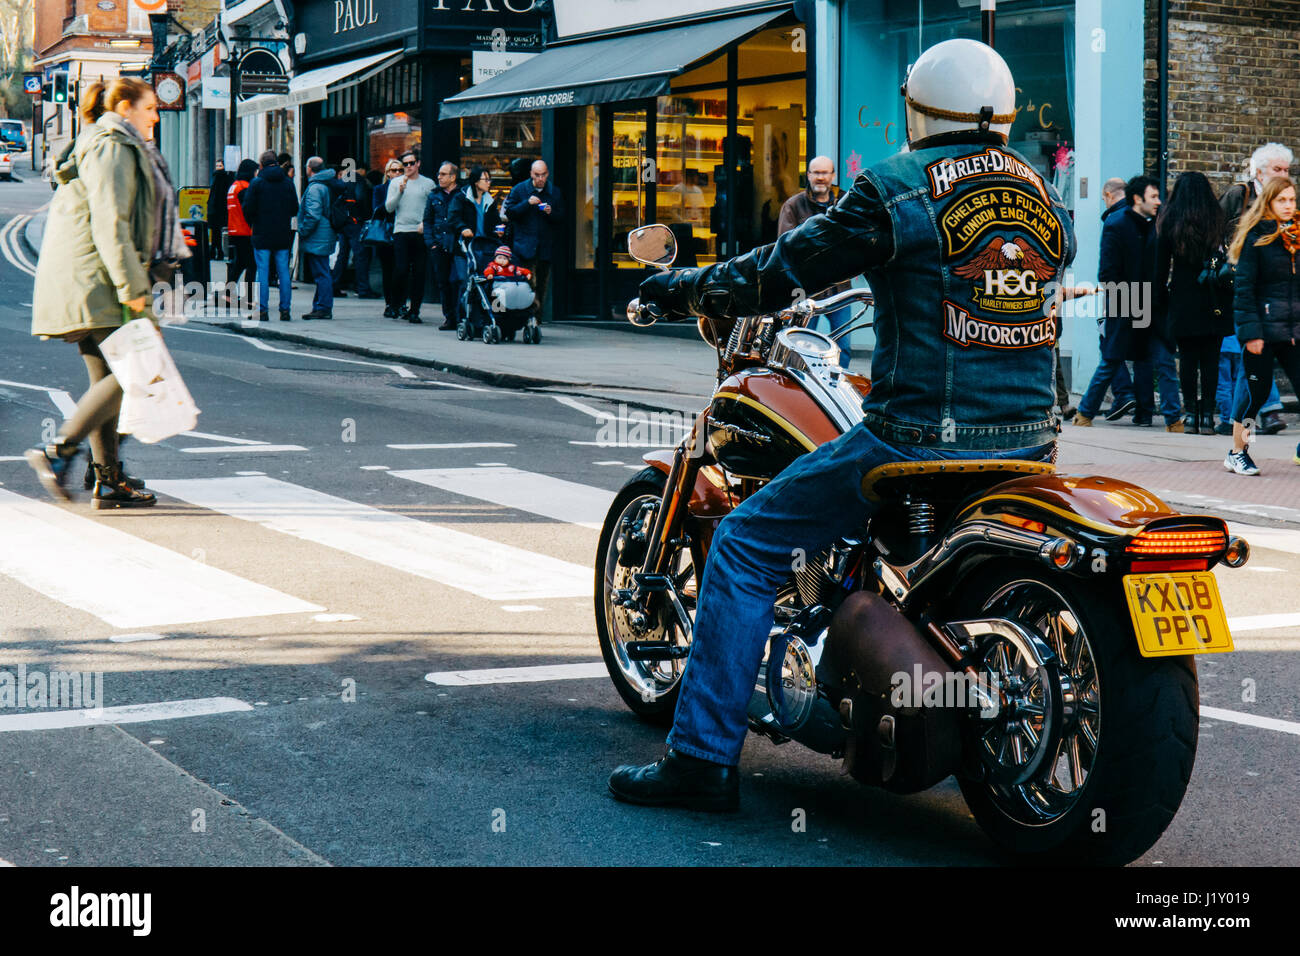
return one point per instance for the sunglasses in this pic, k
(411, 163)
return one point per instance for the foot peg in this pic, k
(655, 651)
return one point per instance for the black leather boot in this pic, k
(112, 490)
(89, 481)
(679, 781)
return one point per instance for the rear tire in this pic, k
(1134, 725)
(648, 688)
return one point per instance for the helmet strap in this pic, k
(986, 117)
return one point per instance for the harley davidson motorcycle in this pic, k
(1031, 633)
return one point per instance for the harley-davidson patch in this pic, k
(1010, 272)
(970, 218)
(947, 173)
(965, 329)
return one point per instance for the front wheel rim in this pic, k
(1058, 784)
(650, 680)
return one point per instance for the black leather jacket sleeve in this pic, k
(853, 236)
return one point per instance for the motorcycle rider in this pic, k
(959, 239)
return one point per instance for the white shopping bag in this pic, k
(155, 402)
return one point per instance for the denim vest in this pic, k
(964, 356)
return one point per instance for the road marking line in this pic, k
(1268, 644)
(254, 449)
(1269, 539)
(12, 458)
(371, 468)
(464, 388)
(1251, 720)
(128, 714)
(222, 438)
(608, 463)
(518, 675)
(528, 491)
(460, 444)
(133, 638)
(1262, 622)
(121, 579)
(12, 247)
(402, 371)
(585, 409)
(61, 399)
(481, 566)
(617, 444)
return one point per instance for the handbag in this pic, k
(1217, 277)
(377, 232)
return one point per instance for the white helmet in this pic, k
(959, 85)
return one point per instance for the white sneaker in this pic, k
(1240, 462)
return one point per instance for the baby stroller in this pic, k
(495, 309)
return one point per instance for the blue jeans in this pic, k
(816, 500)
(319, 267)
(1110, 374)
(1166, 371)
(263, 259)
(838, 320)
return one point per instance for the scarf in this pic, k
(168, 243)
(1289, 233)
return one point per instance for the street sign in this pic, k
(32, 83)
(260, 71)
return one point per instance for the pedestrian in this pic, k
(1266, 304)
(1112, 197)
(392, 170)
(240, 233)
(286, 163)
(115, 226)
(356, 194)
(1127, 267)
(365, 250)
(316, 236)
(1121, 386)
(221, 182)
(814, 201)
(448, 219)
(489, 227)
(1270, 161)
(502, 264)
(536, 209)
(1188, 231)
(270, 203)
(408, 195)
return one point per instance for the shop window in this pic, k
(630, 169)
(689, 160)
(494, 141)
(391, 134)
(771, 116)
(585, 204)
(773, 52)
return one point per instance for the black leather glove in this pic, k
(669, 292)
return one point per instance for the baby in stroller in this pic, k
(501, 302)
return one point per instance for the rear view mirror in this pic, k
(653, 245)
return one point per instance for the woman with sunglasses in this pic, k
(392, 169)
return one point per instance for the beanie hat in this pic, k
(503, 251)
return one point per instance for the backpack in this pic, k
(343, 209)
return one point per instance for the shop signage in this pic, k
(334, 27)
(260, 71)
(488, 64)
(353, 14)
(32, 83)
(216, 93)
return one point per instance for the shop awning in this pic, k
(611, 70)
(319, 83)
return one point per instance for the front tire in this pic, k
(1116, 773)
(649, 688)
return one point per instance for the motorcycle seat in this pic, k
(895, 478)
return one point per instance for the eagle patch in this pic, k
(1009, 274)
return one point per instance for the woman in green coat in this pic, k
(113, 231)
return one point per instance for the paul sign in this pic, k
(350, 14)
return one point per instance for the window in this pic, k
(586, 209)
(392, 134)
(137, 20)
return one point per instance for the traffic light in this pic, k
(47, 88)
(61, 86)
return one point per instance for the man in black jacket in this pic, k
(270, 203)
(1127, 269)
(445, 219)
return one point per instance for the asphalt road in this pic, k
(301, 589)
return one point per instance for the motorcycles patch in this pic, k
(1008, 274)
(961, 327)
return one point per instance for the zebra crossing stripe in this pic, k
(467, 562)
(125, 581)
(528, 491)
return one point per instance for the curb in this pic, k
(499, 379)
(35, 247)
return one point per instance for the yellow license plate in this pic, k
(1177, 613)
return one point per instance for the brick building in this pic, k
(1231, 72)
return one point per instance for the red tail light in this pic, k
(1178, 542)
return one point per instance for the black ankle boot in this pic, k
(113, 490)
(678, 781)
(89, 481)
(1192, 421)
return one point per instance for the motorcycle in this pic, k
(1031, 633)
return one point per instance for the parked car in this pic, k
(13, 135)
(6, 167)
